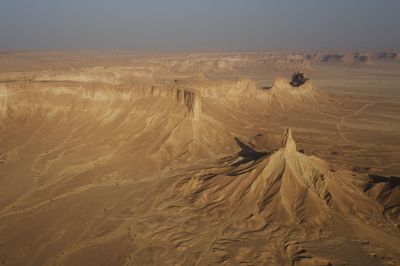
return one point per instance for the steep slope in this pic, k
(300, 200)
(60, 136)
(105, 171)
(286, 186)
(385, 190)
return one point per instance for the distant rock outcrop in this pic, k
(298, 79)
(346, 58)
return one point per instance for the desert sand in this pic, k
(117, 158)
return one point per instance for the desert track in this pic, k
(342, 119)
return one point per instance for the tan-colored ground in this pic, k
(123, 159)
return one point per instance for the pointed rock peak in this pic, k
(288, 143)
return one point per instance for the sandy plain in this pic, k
(116, 158)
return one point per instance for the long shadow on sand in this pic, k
(248, 153)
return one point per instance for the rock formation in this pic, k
(286, 186)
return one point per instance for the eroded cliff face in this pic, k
(188, 97)
(157, 126)
(64, 125)
(185, 171)
(187, 101)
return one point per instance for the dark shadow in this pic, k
(248, 153)
(390, 182)
(266, 87)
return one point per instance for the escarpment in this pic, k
(162, 167)
(189, 96)
(187, 101)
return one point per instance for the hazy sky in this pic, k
(201, 25)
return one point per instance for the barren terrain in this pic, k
(116, 158)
